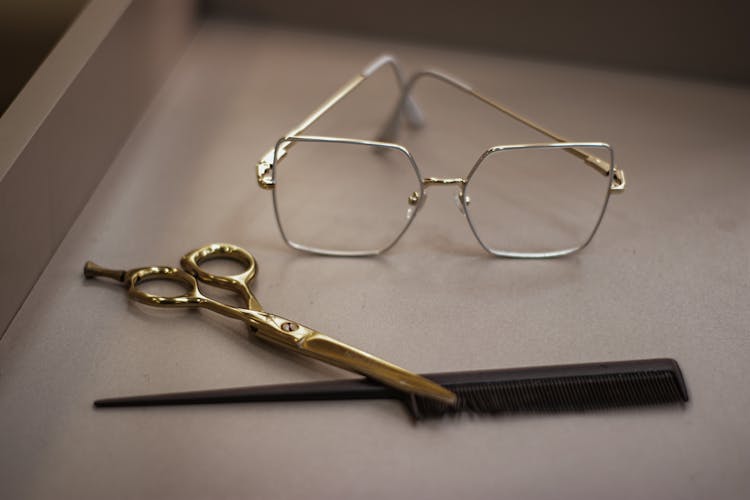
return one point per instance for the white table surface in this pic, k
(667, 275)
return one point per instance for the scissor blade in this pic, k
(304, 340)
(337, 353)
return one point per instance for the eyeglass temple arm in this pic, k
(390, 130)
(406, 106)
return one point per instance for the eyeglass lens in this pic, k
(529, 201)
(339, 197)
(534, 201)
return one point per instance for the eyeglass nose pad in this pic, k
(461, 200)
(416, 200)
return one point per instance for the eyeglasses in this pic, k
(355, 197)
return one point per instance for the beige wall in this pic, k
(28, 31)
(706, 39)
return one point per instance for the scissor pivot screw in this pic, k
(288, 326)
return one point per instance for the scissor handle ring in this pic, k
(191, 262)
(190, 298)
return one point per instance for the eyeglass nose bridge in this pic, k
(417, 200)
(442, 181)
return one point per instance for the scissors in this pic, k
(275, 329)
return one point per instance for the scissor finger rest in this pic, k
(133, 278)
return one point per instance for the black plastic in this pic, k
(559, 388)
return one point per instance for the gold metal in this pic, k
(592, 161)
(275, 329)
(275, 155)
(269, 160)
(618, 181)
(264, 175)
(265, 166)
(389, 131)
(429, 181)
(618, 177)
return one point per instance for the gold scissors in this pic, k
(279, 331)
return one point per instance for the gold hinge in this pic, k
(264, 179)
(618, 181)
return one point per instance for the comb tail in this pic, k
(329, 390)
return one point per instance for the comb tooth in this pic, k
(592, 393)
(659, 389)
(480, 399)
(609, 391)
(549, 397)
(565, 393)
(636, 391)
(522, 396)
(576, 393)
(663, 387)
(539, 402)
(616, 391)
(518, 397)
(602, 389)
(649, 386)
(507, 397)
(588, 393)
(557, 395)
(671, 389)
(561, 395)
(674, 388)
(677, 390)
(619, 394)
(515, 399)
(488, 399)
(645, 388)
(622, 390)
(651, 389)
(555, 398)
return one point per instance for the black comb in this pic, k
(543, 389)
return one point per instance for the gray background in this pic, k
(667, 275)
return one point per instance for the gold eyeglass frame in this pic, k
(265, 168)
